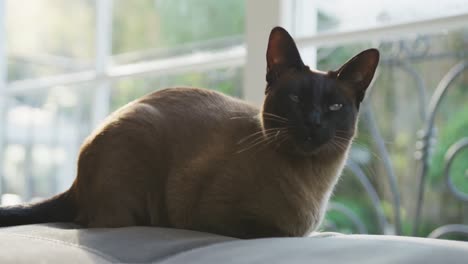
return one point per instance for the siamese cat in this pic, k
(196, 159)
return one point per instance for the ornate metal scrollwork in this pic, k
(450, 156)
(349, 214)
(448, 230)
(397, 55)
(359, 174)
(427, 135)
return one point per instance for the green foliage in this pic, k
(333, 58)
(343, 223)
(166, 24)
(135, 26)
(185, 21)
(127, 90)
(149, 24)
(350, 193)
(454, 129)
(227, 81)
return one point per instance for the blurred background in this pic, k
(65, 65)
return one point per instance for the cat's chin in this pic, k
(311, 152)
(307, 150)
(316, 150)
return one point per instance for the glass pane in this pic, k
(409, 71)
(344, 15)
(228, 81)
(171, 27)
(45, 127)
(47, 37)
(43, 132)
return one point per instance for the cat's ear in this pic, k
(359, 71)
(282, 54)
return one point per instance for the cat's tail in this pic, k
(60, 208)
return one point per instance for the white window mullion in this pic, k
(304, 26)
(387, 32)
(103, 45)
(261, 17)
(98, 78)
(296, 16)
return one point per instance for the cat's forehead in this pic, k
(318, 83)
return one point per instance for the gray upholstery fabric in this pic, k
(66, 243)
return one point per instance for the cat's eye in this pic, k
(335, 107)
(294, 98)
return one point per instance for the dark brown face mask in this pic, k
(320, 107)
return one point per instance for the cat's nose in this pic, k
(314, 119)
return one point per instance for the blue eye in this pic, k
(335, 107)
(294, 98)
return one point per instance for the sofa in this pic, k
(68, 243)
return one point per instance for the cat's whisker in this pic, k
(239, 117)
(265, 140)
(272, 118)
(256, 133)
(332, 147)
(276, 116)
(272, 140)
(252, 145)
(341, 137)
(373, 153)
(259, 139)
(249, 136)
(280, 137)
(263, 136)
(281, 141)
(337, 147)
(276, 120)
(341, 147)
(341, 142)
(362, 136)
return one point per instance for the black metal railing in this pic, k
(398, 56)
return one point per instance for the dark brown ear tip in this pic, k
(374, 52)
(279, 31)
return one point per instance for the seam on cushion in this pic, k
(64, 243)
(168, 257)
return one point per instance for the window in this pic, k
(58, 51)
(70, 63)
(421, 43)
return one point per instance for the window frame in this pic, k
(287, 13)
